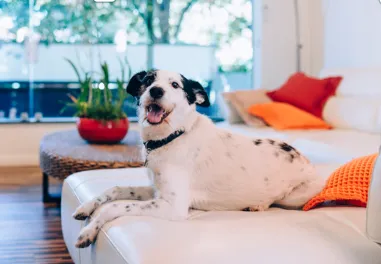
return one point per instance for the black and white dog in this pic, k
(198, 165)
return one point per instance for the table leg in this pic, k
(46, 196)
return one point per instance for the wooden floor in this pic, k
(30, 232)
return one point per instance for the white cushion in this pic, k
(357, 82)
(327, 235)
(354, 113)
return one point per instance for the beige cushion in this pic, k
(239, 101)
(327, 235)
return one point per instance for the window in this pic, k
(210, 41)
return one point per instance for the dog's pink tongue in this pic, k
(155, 116)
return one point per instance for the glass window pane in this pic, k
(14, 70)
(209, 41)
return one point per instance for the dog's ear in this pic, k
(135, 84)
(201, 97)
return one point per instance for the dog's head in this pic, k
(165, 98)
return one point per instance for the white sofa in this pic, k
(332, 235)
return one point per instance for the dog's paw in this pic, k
(257, 208)
(84, 210)
(86, 237)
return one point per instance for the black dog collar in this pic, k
(155, 144)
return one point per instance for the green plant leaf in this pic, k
(75, 69)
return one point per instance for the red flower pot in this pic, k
(102, 132)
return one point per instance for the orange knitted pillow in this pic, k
(348, 184)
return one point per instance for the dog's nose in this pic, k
(156, 92)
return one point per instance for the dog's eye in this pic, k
(175, 85)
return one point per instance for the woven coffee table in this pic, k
(64, 153)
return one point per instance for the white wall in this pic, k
(352, 33)
(335, 34)
(275, 40)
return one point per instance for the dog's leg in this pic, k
(172, 203)
(301, 194)
(112, 194)
(157, 208)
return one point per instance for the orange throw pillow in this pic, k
(307, 93)
(285, 116)
(348, 184)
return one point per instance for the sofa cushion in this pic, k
(306, 93)
(348, 184)
(238, 102)
(362, 114)
(283, 116)
(328, 235)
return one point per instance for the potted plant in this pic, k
(101, 118)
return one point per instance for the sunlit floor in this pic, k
(30, 232)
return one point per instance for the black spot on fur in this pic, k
(229, 135)
(272, 142)
(80, 216)
(97, 228)
(291, 158)
(266, 179)
(243, 168)
(132, 194)
(127, 206)
(193, 88)
(99, 200)
(139, 197)
(108, 198)
(257, 142)
(247, 209)
(285, 147)
(276, 154)
(135, 86)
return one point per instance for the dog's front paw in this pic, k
(86, 237)
(84, 210)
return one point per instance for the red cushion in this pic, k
(307, 93)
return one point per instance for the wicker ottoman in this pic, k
(64, 153)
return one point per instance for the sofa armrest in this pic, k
(373, 217)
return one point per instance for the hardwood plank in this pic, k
(30, 231)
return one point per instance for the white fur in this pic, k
(206, 168)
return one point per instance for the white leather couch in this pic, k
(335, 235)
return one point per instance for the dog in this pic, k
(196, 165)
